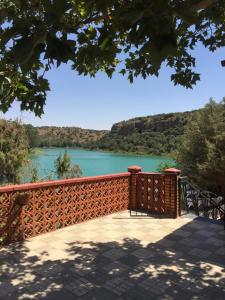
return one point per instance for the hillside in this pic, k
(158, 134)
(67, 136)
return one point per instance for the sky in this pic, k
(98, 103)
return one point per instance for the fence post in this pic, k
(172, 190)
(134, 170)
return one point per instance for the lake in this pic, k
(96, 162)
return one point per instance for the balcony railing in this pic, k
(28, 210)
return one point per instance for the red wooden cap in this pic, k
(172, 170)
(134, 169)
(29, 186)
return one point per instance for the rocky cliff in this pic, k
(157, 134)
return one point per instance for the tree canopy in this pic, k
(201, 155)
(32, 135)
(127, 36)
(13, 150)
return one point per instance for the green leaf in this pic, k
(105, 42)
(22, 87)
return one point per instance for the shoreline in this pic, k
(164, 155)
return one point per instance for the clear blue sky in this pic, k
(99, 102)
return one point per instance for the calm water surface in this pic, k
(95, 162)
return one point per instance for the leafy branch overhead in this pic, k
(127, 36)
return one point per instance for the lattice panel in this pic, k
(56, 206)
(151, 193)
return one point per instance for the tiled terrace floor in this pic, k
(118, 257)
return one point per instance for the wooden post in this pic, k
(172, 191)
(134, 170)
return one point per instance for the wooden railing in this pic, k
(28, 210)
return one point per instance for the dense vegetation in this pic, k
(201, 154)
(157, 135)
(197, 138)
(133, 37)
(13, 150)
(32, 135)
(16, 143)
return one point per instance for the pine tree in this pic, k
(64, 168)
(13, 150)
(201, 155)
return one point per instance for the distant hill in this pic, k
(157, 134)
(51, 136)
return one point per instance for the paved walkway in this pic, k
(118, 257)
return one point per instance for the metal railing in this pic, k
(201, 202)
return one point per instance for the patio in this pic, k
(119, 257)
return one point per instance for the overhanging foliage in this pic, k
(131, 37)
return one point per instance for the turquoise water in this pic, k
(96, 162)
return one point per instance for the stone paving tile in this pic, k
(39, 286)
(165, 297)
(139, 293)
(189, 242)
(220, 232)
(199, 252)
(130, 260)
(196, 225)
(82, 269)
(141, 271)
(220, 251)
(6, 290)
(98, 277)
(114, 253)
(40, 290)
(182, 233)
(50, 269)
(205, 233)
(79, 287)
(118, 285)
(177, 293)
(131, 226)
(118, 257)
(215, 242)
(153, 226)
(166, 243)
(100, 294)
(115, 268)
(61, 294)
(183, 283)
(173, 254)
(154, 286)
(197, 287)
(143, 253)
